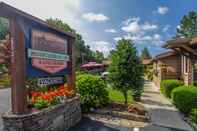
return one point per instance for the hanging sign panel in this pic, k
(48, 52)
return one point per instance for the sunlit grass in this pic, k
(117, 96)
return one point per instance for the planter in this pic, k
(56, 118)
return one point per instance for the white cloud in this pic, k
(166, 28)
(102, 46)
(178, 27)
(93, 17)
(117, 38)
(110, 30)
(127, 21)
(162, 10)
(155, 39)
(67, 10)
(148, 26)
(133, 25)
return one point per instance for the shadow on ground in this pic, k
(87, 124)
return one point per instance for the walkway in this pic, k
(163, 113)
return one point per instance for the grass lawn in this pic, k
(117, 96)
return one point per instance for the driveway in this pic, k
(5, 97)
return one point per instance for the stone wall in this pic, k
(56, 118)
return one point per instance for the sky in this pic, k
(148, 23)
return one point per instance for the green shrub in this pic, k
(92, 90)
(167, 86)
(185, 98)
(193, 115)
(195, 83)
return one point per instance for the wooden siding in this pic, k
(167, 68)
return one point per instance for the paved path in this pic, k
(5, 97)
(163, 113)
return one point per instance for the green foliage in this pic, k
(185, 98)
(145, 54)
(5, 80)
(193, 115)
(167, 86)
(117, 96)
(40, 104)
(149, 72)
(188, 25)
(99, 57)
(56, 101)
(126, 70)
(92, 90)
(83, 52)
(4, 27)
(195, 83)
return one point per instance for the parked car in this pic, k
(104, 75)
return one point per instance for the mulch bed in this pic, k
(134, 111)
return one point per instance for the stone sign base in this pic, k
(56, 118)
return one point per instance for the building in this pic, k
(187, 48)
(166, 66)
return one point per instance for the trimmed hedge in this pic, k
(167, 86)
(185, 98)
(92, 90)
(193, 115)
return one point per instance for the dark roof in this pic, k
(174, 43)
(164, 55)
(12, 13)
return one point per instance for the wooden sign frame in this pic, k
(19, 59)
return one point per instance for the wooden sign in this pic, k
(48, 52)
(50, 81)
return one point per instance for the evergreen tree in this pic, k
(126, 70)
(145, 54)
(188, 25)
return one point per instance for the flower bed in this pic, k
(49, 96)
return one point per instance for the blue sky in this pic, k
(149, 23)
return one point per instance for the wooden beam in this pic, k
(18, 69)
(189, 49)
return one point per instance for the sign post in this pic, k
(18, 69)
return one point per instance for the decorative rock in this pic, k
(57, 118)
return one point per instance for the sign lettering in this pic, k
(47, 55)
(50, 81)
(49, 52)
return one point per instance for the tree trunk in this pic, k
(125, 98)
